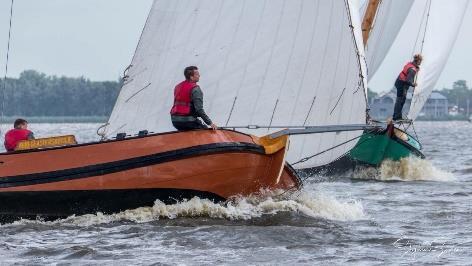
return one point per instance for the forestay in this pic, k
(389, 19)
(262, 62)
(440, 33)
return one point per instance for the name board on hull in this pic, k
(46, 142)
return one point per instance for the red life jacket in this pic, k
(404, 74)
(183, 98)
(13, 136)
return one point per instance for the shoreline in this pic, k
(104, 119)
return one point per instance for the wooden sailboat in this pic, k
(115, 175)
(244, 48)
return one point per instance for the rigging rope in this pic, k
(416, 134)
(6, 67)
(426, 15)
(426, 26)
(329, 149)
(334, 147)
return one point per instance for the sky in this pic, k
(91, 38)
(97, 38)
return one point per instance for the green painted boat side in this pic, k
(375, 147)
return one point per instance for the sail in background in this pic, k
(440, 33)
(389, 19)
(262, 62)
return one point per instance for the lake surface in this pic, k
(413, 212)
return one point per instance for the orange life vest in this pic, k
(183, 98)
(404, 74)
(13, 136)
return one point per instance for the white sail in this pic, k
(389, 19)
(262, 62)
(440, 33)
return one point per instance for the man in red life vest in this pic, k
(188, 103)
(405, 80)
(18, 133)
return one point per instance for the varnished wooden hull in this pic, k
(116, 175)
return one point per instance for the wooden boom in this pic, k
(369, 18)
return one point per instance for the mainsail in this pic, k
(263, 62)
(387, 23)
(439, 33)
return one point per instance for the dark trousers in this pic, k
(182, 126)
(402, 89)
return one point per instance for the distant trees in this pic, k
(36, 94)
(460, 95)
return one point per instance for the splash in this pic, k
(242, 208)
(407, 169)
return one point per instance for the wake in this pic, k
(407, 169)
(314, 204)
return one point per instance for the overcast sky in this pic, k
(91, 38)
(97, 38)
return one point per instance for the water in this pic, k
(412, 212)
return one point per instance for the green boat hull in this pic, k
(375, 147)
(371, 150)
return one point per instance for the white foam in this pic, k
(319, 206)
(407, 169)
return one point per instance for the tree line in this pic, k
(37, 94)
(459, 95)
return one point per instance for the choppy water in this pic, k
(412, 212)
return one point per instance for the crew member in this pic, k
(18, 133)
(405, 80)
(188, 103)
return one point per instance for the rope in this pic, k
(426, 27)
(231, 112)
(273, 113)
(319, 153)
(339, 99)
(359, 64)
(425, 15)
(416, 135)
(407, 126)
(309, 111)
(419, 32)
(2, 111)
(294, 189)
(334, 147)
(101, 131)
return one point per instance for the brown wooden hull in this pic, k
(116, 175)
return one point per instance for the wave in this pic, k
(241, 208)
(407, 169)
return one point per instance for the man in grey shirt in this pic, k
(188, 103)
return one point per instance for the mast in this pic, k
(369, 18)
